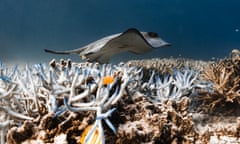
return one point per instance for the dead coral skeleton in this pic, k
(225, 77)
(147, 122)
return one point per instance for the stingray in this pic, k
(103, 49)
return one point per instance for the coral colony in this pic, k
(147, 101)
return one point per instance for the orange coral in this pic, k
(95, 138)
(108, 80)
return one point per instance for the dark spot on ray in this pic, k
(152, 34)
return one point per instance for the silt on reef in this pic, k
(147, 101)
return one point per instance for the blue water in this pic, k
(200, 29)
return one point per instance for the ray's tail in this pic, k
(75, 51)
(55, 52)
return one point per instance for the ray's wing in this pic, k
(98, 57)
(131, 40)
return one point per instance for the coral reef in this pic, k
(146, 101)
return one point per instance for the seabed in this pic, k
(156, 101)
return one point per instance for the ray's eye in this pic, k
(152, 34)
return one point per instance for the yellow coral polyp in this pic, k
(95, 138)
(108, 80)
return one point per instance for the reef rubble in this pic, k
(146, 101)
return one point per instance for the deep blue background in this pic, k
(197, 29)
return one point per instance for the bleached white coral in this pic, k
(36, 90)
(173, 87)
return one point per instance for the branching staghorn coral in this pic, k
(225, 76)
(104, 99)
(172, 87)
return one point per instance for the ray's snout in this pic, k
(154, 40)
(157, 42)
